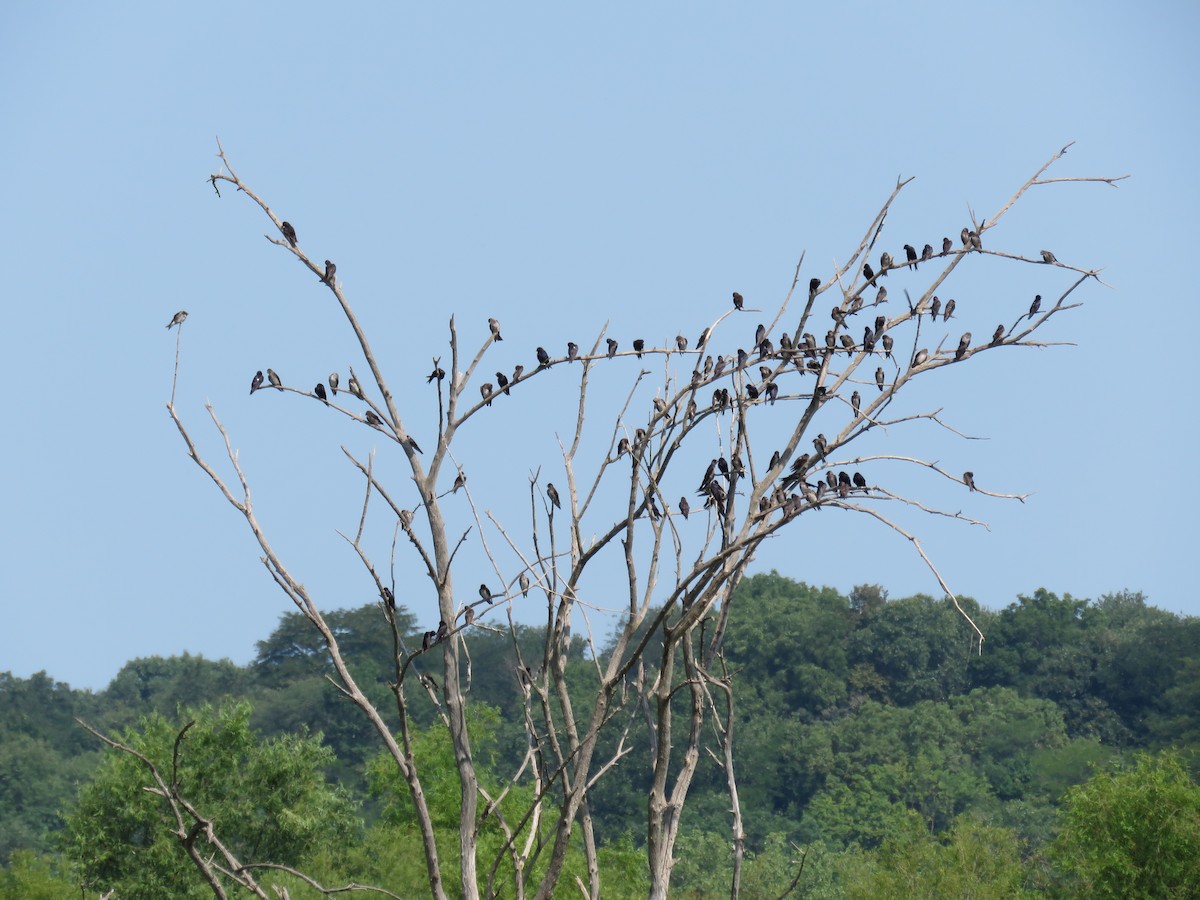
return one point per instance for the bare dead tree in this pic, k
(663, 664)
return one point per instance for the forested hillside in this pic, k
(878, 748)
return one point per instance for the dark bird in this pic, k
(388, 598)
(652, 506)
(622, 447)
(276, 381)
(443, 631)
(751, 391)
(437, 374)
(998, 334)
(771, 391)
(921, 357)
(879, 377)
(843, 490)
(373, 420)
(934, 308)
(330, 268)
(881, 297)
(764, 372)
(859, 481)
(880, 324)
(831, 480)
(887, 345)
(813, 285)
(638, 346)
(910, 254)
(1035, 305)
(738, 301)
(684, 507)
(494, 325)
(885, 262)
(460, 481)
(947, 245)
(333, 382)
(485, 592)
(412, 442)
(502, 381)
(949, 310)
(518, 371)
(830, 340)
(964, 344)
(176, 319)
(969, 479)
(681, 342)
(523, 583)
(319, 390)
(288, 232)
(927, 253)
(760, 334)
(868, 340)
(976, 243)
(427, 639)
(723, 466)
(821, 444)
(469, 615)
(572, 351)
(703, 339)
(256, 381)
(543, 357)
(844, 478)
(552, 493)
(612, 348)
(856, 402)
(708, 366)
(847, 343)
(868, 273)
(355, 387)
(774, 460)
(485, 391)
(742, 358)
(965, 234)
(708, 475)
(1048, 257)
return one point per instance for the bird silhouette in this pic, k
(288, 232)
(684, 507)
(1035, 305)
(543, 357)
(998, 335)
(879, 377)
(969, 480)
(947, 245)
(257, 381)
(502, 381)
(921, 357)
(638, 346)
(524, 583)
(813, 285)
(934, 308)
(612, 348)
(927, 252)
(330, 269)
(738, 301)
(572, 351)
(319, 390)
(437, 374)
(949, 311)
(681, 342)
(485, 391)
(887, 346)
(856, 402)
(1047, 256)
(552, 493)
(176, 319)
(460, 481)
(910, 254)
(373, 420)
(354, 387)
(964, 344)
(859, 481)
(485, 592)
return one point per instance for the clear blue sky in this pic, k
(560, 167)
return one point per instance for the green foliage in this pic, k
(31, 876)
(268, 799)
(1133, 832)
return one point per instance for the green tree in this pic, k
(1133, 832)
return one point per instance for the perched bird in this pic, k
(552, 493)
(502, 381)
(856, 402)
(949, 310)
(927, 253)
(333, 382)
(612, 348)
(330, 268)
(703, 339)
(743, 358)
(965, 234)
(523, 582)
(373, 420)
(921, 357)
(843, 490)
(1035, 305)
(543, 357)
(859, 481)
(443, 631)
(681, 342)
(910, 254)
(257, 381)
(518, 371)
(638, 346)
(388, 598)
(821, 444)
(998, 335)
(276, 381)
(934, 308)
(485, 391)
(975, 242)
(751, 391)
(738, 301)
(485, 592)
(288, 232)
(437, 374)
(868, 340)
(813, 285)
(844, 478)
(887, 345)
(847, 343)
(622, 447)
(319, 390)
(969, 480)
(879, 377)
(684, 507)
(881, 297)
(964, 344)
(868, 273)
(774, 460)
(764, 372)
(947, 245)
(880, 324)
(469, 615)
(427, 639)
(708, 475)
(412, 442)
(176, 319)
(494, 325)
(771, 391)
(460, 481)
(355, 387)
(885, 262)
(1048, 257)
(572, 351)
(831, 480)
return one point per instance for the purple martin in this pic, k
(355, 387)
(288, 232)
(843, 490)
(276, 381)
(927, 253)
(552, 493)
(622, 447)
(760, 333)
(388, 598)
(843, 477)
(964, 344)
(330, 268)
(708, 366)
(859, 481)
(373, 420)
(765, 348)
(881, 296)
(772, 391)
(502, 381)
(572, 351)
(469, 615)
(821, 444)
(412, 442)
(543, 357)
(868, 341)
(831, 480)
(738, 301)
(947, 245)
(998, 334)
(257, 381)
(880, 324)
(949, 310)
(879, 377)
(751, 391)
(681, 342)
(885, 262)
(764, 372)
(684, 507)
(965, 234)
(460, 481)
(485, 391)
(427, 639)
(887, 345)
(638, 346)
(742, 358)
(847, 342)
(1035, 305)
(910, 254)
(934, 309)
(438, 373)
(703, 339)
(813, 285)
(485, 592)
(494, 325)
(443, 631)
(612, 348)
(333, 382)
(1047, 256)
(319, 390)
(523, 583)
(921, 357)
(868, 273)
(969, 480)
(774, 460)
(856, 402)
(976, 243)
(176, 319)
(518, 371)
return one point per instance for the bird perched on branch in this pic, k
(681, 342)
(176, 319)
(373, 420)
(921, 357)
(502, 381)
(485, 391)
(494, 325)
(1047, 256)
(927, 253)
(612, 348)
(288, 232)
(638, 346)
(460, 481)
(947, 245)
(859, 481)
(998, 335)
(910, 254)
(523, 583)
(354, 387)
(1035, 305)
(934, 308)
(969, 480)
(319, 390)
(485, 592)
(572, 351)
(543, 357)
(330, 269)
(887, 346)
(257, 381)
(964, 344)
(552, 493)
(684, 507)
(276, 381)
(856, 402)
(738, 300)
(949, 311)
(437, 374)
(333, 382)
(879, 377)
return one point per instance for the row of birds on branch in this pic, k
(970, 242)
(289, 234)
